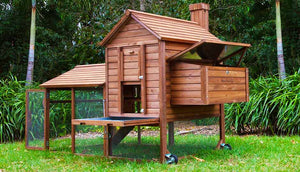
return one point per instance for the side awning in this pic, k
(92, 75)
(211, 52)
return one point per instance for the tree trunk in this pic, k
(29, 76)
(142, 5)
(281, 68)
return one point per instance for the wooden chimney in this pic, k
(199, 14)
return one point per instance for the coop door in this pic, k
(132, 79)
(131, 60)
(35, 119)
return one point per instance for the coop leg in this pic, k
(222, 126)
(108, 132)
(171, 133)
(163, 141)
(139, 134)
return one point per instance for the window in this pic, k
(131, 102)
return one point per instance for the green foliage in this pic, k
(68, 31)
(274, 107)
(12, 109)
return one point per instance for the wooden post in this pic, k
(108, 140)
(139, 134)
(73, 116)
(222, 126)
(47, 119)
(171, 133)
(162, 102)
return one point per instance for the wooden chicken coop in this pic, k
(160, 69)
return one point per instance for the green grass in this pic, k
(255, 153)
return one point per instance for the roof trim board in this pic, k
(145, 26)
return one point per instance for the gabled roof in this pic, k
(81, 76)
(164, 28)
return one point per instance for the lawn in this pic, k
(254, 153)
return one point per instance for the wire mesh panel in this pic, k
(60, 120)
(194, 137)
(35, 118)
(89, 105)
(89, 140)
(139, 143)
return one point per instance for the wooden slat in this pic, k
(186, 80)
(185, 87)
(133, 39)
(131, 72)
(152, 97)
(133, 33)
(152, 90)
(186, 73)
(186, 94)
(133, 58)
(152, 70)
(187, 101)
(152, 83)
(131, 65)
(152, 77)
(222, 80)
(228, 87)
(152, 56)
(225, 73)
(182, 66)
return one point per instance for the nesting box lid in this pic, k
(210, 51)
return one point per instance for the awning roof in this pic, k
(210, 52)
(81, 76)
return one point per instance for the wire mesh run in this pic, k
(194, 137)
(139, 143)
(89, 105)
(35, 119)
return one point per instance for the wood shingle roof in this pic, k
(164, 28)
(92, 75)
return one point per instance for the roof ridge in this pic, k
(167, 17)
(87, 65)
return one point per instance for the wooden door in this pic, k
(130, 59)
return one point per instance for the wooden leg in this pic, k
(171, 133)
(139, 135)
(222, 126)
(73, 116)
(73, 137)
(108, 131)
(47, 119)
(163, 141)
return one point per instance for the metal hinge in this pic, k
(141, 77)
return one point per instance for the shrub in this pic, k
(273, 107)
(12, 109)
